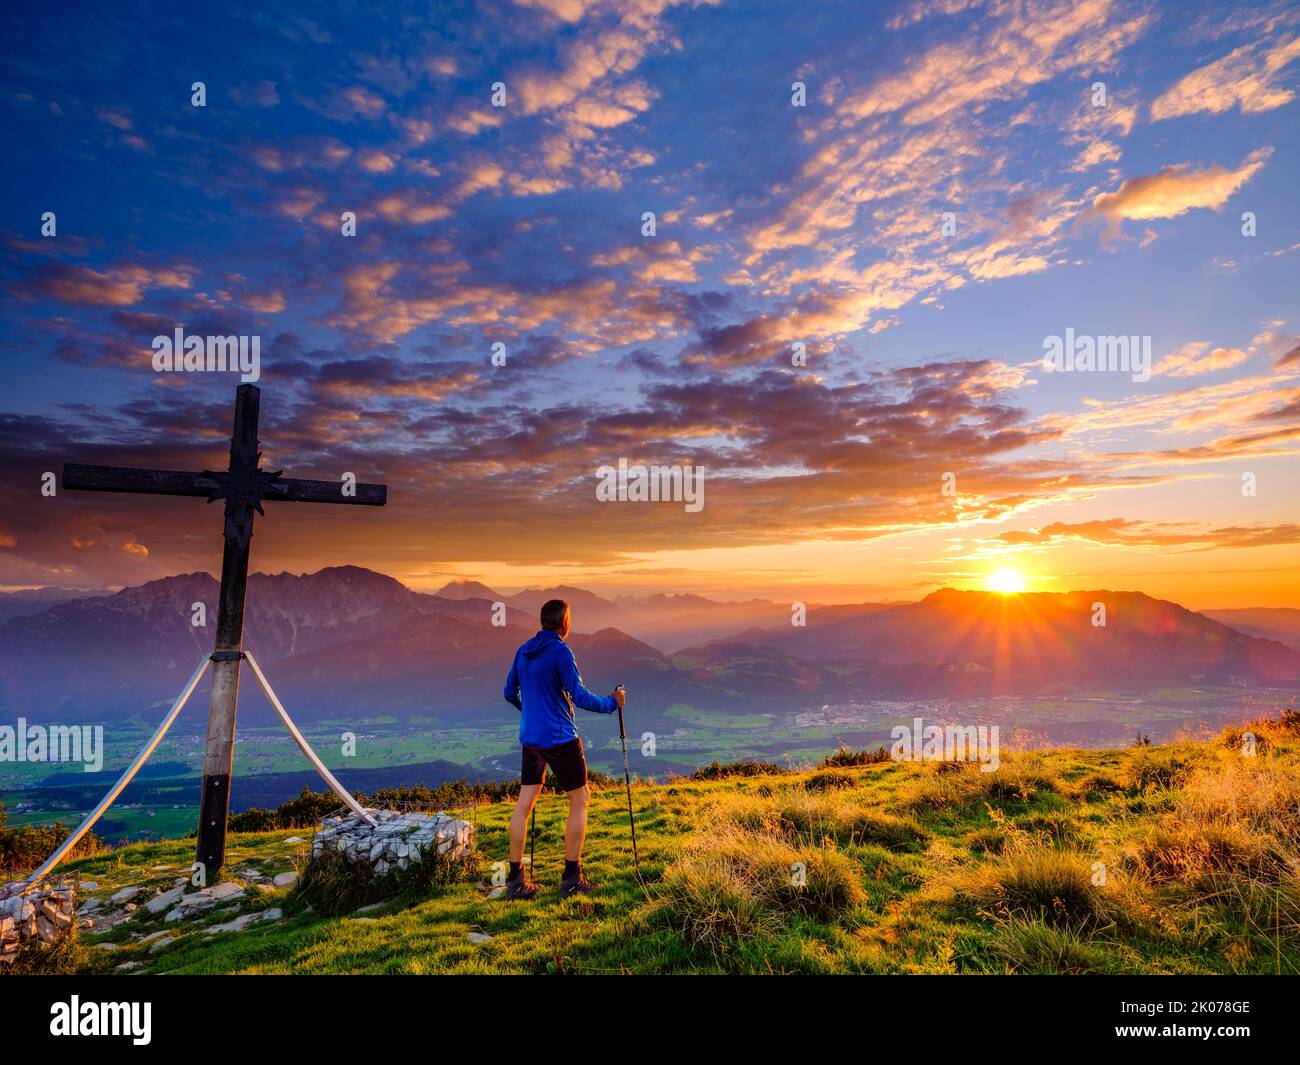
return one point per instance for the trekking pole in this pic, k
(627, 781)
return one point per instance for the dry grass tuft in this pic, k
(1037, 884)
(740, 876)
(1037, 948)
(952, 785)
(821, 816)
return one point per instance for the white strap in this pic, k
(303, 745)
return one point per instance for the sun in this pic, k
(1006, 580)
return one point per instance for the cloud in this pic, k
(920, 10)
(256, 94)
(272, 302)
(789, 456)
(581, 94)
(820, 226)
(1230, 405)
(862, 212)
(1199, 357)
(376, 376)
(352, 103)
(566, 10)
(376, 162)
(1251, 78)
(658, 260)
(1031, 44)
(595, 57)
(298, 202)
(1096, 129)
(409, 207)
(118, 286)
(1117, 532)
(114, 117)
(296, 154)
(1174, 191)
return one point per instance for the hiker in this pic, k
(544, 686)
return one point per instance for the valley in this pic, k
(393, 686)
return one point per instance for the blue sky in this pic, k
(775, 225)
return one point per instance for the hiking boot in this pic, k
(520, 887)
(577, 884)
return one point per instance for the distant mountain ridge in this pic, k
(467, 590)
(123, 646)
(668, 621)
(1270, 623)
(346, 640)
(27, 601)
(1033, 640)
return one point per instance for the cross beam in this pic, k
(179, 483)
(244, 486)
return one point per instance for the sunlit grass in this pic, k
(1146, 860)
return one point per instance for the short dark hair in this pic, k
(554, 611)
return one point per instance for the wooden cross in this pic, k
(244, 486)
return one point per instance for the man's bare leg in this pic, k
(519, 820)
(575, 830)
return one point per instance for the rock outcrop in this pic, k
(397, 841)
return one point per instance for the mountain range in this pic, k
(346, 640)
(1270, 623)
(27, 601)
(669, 622)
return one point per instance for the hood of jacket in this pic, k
(539, 643)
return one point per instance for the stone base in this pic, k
(42, 915)
(397, 841)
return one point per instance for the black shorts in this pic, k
(567, 762)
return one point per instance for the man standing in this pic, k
(544, 686)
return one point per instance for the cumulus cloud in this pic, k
(1175, 190)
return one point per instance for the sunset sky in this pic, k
(776, 225)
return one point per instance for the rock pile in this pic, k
(398, 840)
(197, 902)
(42, 915)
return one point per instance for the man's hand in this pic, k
(619, 696)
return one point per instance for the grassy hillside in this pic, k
(910, 868)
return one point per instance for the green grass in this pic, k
(1178, 859)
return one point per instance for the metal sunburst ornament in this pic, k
(246, 485)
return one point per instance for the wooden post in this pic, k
(218, 752)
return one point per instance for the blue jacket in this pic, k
(545, 686)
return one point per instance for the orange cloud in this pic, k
(266, 302)
(1158, 534)
(1249, 78)
(1198, 358)
(119, 286)
(1175, 191)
